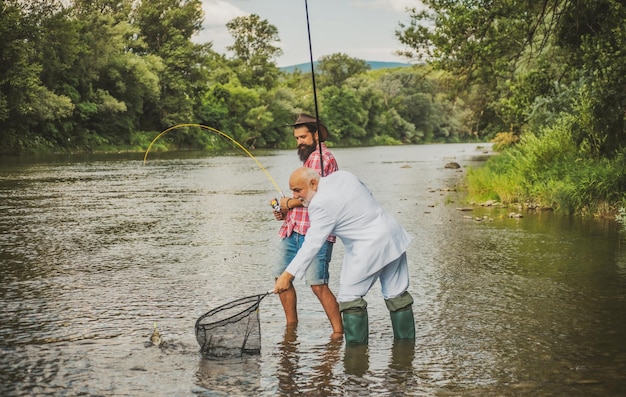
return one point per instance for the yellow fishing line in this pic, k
(145, 156)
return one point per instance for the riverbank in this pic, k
(552, 171)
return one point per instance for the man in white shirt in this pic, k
(374, 245)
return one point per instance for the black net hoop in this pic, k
(232, 329)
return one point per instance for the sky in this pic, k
(363, 29)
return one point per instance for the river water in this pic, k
(95, 251)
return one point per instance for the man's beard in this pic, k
(304, 151)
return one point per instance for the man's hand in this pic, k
(280, 215)
(283, 282)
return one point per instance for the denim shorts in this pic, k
(317, 273)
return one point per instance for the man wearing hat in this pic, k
(295, 219)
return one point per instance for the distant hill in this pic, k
(306, 67)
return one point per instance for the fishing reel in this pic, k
(275, 204)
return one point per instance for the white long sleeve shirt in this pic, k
(343, 206)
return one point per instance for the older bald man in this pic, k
(374, 243)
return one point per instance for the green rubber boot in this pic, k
(403, 323)
(355, 326)
(401, 312)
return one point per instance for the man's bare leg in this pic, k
(330, 305)
(289, 301)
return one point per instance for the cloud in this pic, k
(216, 14)
(367, 34)
(399, 6)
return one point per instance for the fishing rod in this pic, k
(317, 116)
(246, 151)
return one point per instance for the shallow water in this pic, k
(94, 251)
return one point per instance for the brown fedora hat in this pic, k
(304, 118)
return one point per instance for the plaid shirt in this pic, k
(297, 219)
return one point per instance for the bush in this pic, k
(504, 140)
(549, 170)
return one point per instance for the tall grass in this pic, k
(550, 170)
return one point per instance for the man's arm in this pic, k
(288, 203)
(321, 225)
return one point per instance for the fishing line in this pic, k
(246, 151)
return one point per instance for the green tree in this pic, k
(25, 102)
(343, 114)
(481, 43)
(514, 53)
(255, 50)
(412, 106)
(281, 105)
(165, 29)
(254, 38)
(107, 81)
(335, 69)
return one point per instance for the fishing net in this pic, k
(232, 329)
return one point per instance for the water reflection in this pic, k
(332, 369)
(547, 309)
(288, 359)
(356, 360)
(400, 375)
(222, 377)
(316, 377)
(323, 379)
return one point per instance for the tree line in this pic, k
(98, 75)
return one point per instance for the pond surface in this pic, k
(95, 251)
